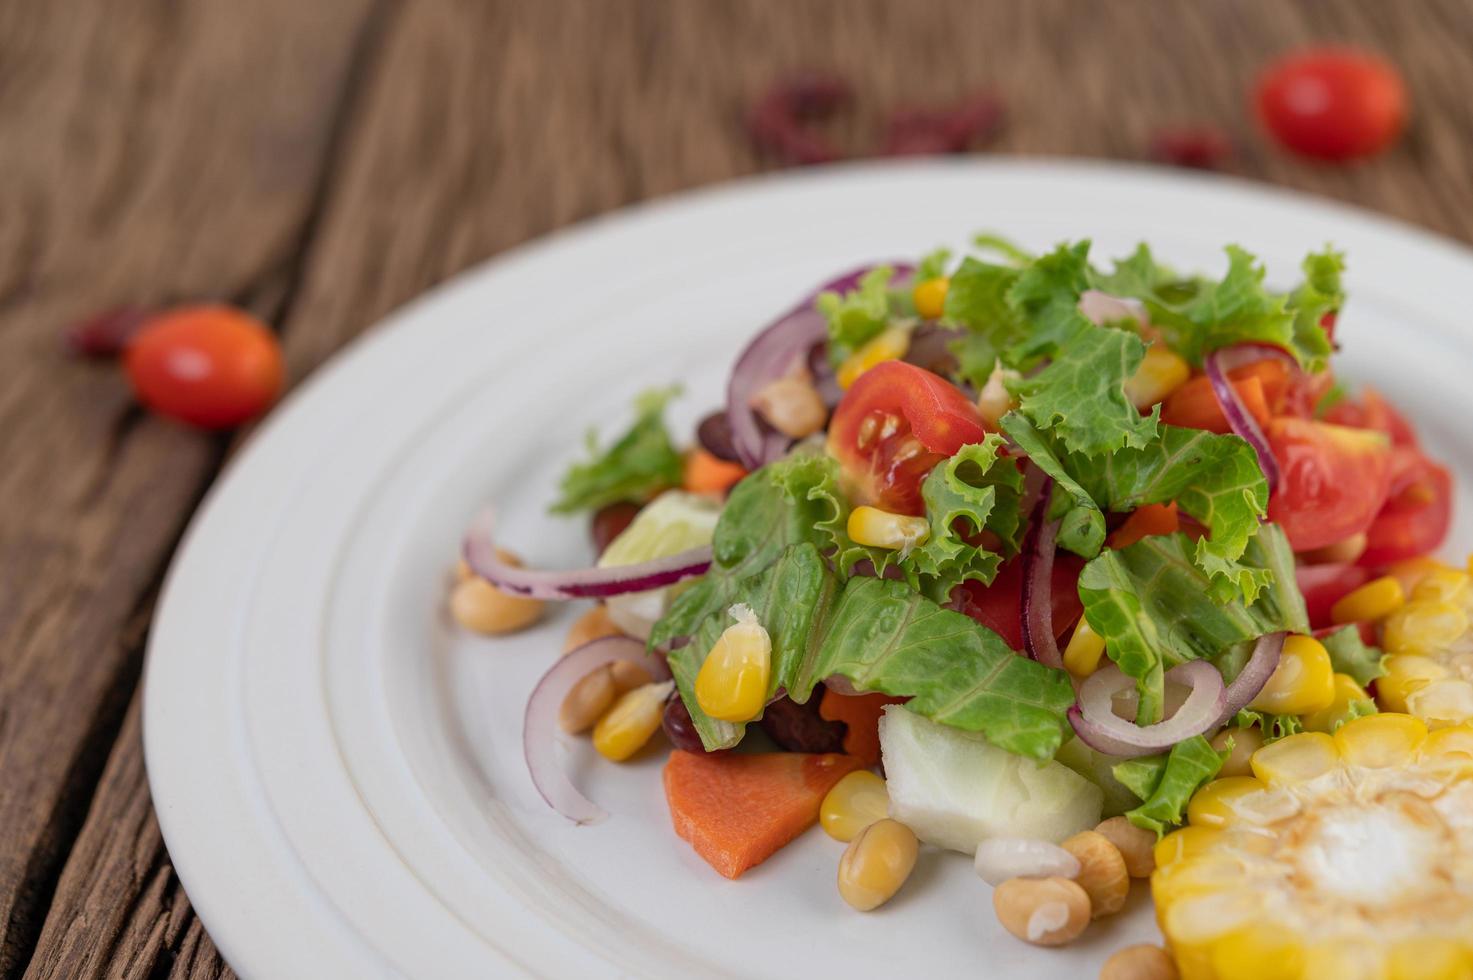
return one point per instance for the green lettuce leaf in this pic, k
(1349, 654)
(885, 637)
(859, 315)
(977, 300)
(788, 502)
(641, 463)
(1273, 727)
(1153, 605)
(933, 264)
(988, 241)
(1214, 478)
(1320, 293)
(1165, 783)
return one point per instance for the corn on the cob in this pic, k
(1429, 642)
(1344, 856)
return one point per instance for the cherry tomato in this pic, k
(1418, 510)
(1333, 480)
(999, 606)
(1325, 585)
(1332, 103)
(210, 366)
(893, 425)
(1371, 411)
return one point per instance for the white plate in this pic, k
(338, 775)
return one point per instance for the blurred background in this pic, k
(313, 165)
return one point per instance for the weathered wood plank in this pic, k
(480, 125)
(149, 151)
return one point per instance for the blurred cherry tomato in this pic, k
(211, 366)
(1332, 103)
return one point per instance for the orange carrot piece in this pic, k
(704, 473)
(861, 714)
(1145, 521)
(738, 810)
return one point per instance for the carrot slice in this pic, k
(1143, 522)
(704, 473)
(738, 810)
(861, 714)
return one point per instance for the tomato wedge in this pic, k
(893, 425)
(1371, 411)
(1333, 480)
(1418, 510)
(1325, 585)
(999, 606)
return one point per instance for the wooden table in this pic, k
(323, 161)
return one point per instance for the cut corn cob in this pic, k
(1429, 642)
(1344, 856)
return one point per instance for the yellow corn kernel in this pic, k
(732, 683)
(855, 802)
(1449, 749)
(1161, 372)
(1296, 759)
(1424, 626)
(628, 725)
(1185, 843)
(1215, 805)
(1427, 958)
(1443, 702)
(930, 297)
(1405, 675)
(1082, 654)
(1327, 719)
(1443, 584)
(1261, 951)
(1375, 600)
(876, 864)
(882, 529)
(890, 345)
(1302, 683)
(1380, 741)
(1344, 959)
(1196, 919)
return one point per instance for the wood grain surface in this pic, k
(322, 162)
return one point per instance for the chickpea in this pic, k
(592, 625)
(1102, 871)
(792, 406)
(876, 864)
(1142, 962)
(1136, 844)
(1042, 911)
(1246, 741)
(587, 701)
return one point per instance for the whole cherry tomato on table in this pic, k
(1332, 103)
(211, 366)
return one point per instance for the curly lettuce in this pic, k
(638, 465)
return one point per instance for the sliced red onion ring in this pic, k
(1038, 583)
(1103, 308)
(539, 725)
(1238, 417)
(582, 583)
(769, 356)
(1255, 673)
(1097, 725)
(1000, 858)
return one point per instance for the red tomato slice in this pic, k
(893, 425)
(1418, 510)
(1371, 411)
(1333, 480)
(1333, 104)
(1325, 585)
(999, 606)
(1261, 385)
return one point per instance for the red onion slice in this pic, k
(770, 355)
(581, 583)
(1242, 422)
(539, 725)
(1038, 584)
(1255, 673)
(1097, 725)
(1103, 308)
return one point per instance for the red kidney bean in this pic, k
(609, 522)
(800, 728)
(1197, 147)
(714, 435)
(679, 727)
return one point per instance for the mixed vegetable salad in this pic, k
(1099, 565)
